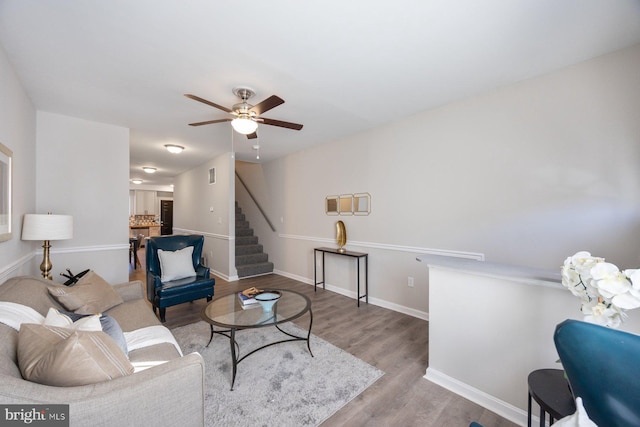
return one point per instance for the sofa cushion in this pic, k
(133, 315)
(152, 355)
(91, 295)
(176, 265)
(8, 352)
(64, 357)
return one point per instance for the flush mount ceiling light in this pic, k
(148, 169)
(244, 124)
(136, 181)
(175, 149)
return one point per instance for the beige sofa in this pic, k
(169, 393)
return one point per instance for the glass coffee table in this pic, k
(226, 312)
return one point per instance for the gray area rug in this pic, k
(281, 385)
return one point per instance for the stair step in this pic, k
(254, 269)
(243, 232)
(251, 259)
(248, 249)
(246, 240)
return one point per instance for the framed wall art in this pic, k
(6, 187)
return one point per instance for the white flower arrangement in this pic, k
(605, 291)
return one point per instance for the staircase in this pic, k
(250, 260)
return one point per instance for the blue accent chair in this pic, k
(163, 295)
(603, 368)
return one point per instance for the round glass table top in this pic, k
(228, 312)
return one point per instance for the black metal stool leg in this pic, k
(528, 412)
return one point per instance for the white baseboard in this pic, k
(293, 276)
(500, 407)
(223, 276)
(351, 294)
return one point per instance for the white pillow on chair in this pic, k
(177, 264)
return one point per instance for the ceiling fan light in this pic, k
(148, 169)
(244, 125)
(175, 149)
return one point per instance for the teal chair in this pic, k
(603, 368)
(166, 294)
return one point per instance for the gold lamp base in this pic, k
(45, 266)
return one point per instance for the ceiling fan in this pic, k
(247, 116)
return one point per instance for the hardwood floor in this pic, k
(393, 342)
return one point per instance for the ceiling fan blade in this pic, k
(209, 122)
(204, 101)
(252, 135)
(288, 125)
(266, 105)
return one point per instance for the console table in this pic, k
(357, 255)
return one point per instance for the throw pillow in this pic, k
(176, 265)
(91, 295)
(83, 323)
(579, 419)
(110, 326)
(63, 357)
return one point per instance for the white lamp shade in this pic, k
(47, 227)
(244, 126)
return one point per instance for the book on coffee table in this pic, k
(246, 300)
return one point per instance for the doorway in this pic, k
(166, 217)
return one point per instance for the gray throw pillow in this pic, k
(110, 326)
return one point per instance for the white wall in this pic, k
(82, 170)
(489, 330)
(18, 133)
(207, 209)
(526, 175)
(64, 165)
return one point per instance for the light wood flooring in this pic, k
(393, 342)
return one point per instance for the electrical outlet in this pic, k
(410, 281)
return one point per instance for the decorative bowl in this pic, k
(267, 299)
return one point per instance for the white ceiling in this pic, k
(341, 66)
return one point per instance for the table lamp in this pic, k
(47, 227)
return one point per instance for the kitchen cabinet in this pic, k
(146, 203)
